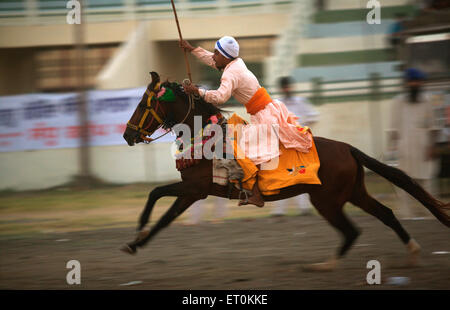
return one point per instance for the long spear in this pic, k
(181, 39)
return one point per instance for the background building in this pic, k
(345, 65)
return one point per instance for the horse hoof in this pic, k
(128, 249)
(414, 253)
(413, 260)
(141, 235)
(318, 267)
(325, 266)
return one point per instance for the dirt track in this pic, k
(265, 253)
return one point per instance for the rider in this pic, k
(239, 82)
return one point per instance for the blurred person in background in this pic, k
(196, 213)
(436, 5)
(307, 116)
(321, 5)
(242, 84)
(394, 31)
(442, 147)
(413, 136)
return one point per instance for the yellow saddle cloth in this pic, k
(293, 167)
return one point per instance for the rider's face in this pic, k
(220, 60)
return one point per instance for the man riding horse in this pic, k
(241, 83)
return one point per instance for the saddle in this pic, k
(292, 167)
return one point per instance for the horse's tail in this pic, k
(405, 182)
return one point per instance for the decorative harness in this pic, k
(186, 155)
(149, 110)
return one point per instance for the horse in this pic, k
(341, 173)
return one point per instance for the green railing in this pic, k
(35, 11)
(374, 89)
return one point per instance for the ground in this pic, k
(248, 250)
(262, 253)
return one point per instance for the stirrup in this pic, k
(245, 192)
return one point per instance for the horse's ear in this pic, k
(155, 77)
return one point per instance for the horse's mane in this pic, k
(200, 104)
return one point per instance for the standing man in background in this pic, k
(307, 116)
(394, 34)
(413, 134)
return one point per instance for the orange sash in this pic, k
(258, 102)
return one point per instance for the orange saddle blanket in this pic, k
(292, 167)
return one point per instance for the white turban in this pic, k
(228, 47)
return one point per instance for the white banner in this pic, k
(48, 121)
(11, 122)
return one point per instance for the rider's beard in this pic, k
(217, 66)
(414, 92)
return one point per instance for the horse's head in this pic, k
(148, 116)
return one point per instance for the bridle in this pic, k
(144, 134)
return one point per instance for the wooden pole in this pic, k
(181, 38)
(84, 156)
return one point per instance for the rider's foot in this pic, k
(254, 199)
(257, 202)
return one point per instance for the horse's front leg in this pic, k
(157, 193)
(178, 207)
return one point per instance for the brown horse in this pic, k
(341, 173)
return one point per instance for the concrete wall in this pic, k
(153, 46)
(128, 67)
(147, 46)
(37, 169)
(16, 71)
(357, 4)
(159, 30)
(361, 124)
(42, 169)
(342, 44)
(131, 65)
(63, 34)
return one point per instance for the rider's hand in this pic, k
(191, 89)
(185, 45)
(292, 119)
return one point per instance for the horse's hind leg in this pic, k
(385, 215)
(335, 216)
